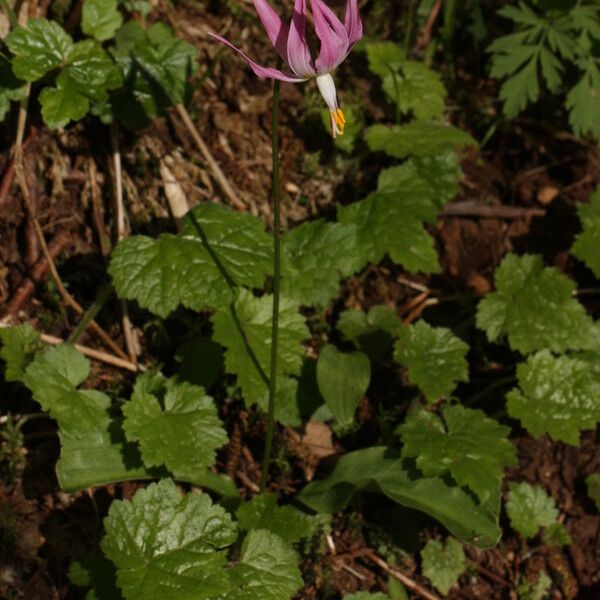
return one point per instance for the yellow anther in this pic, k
(339, 117)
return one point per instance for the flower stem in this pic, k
(276, 192)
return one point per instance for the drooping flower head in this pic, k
(337, 39)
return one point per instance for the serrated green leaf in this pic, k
(38, 48)
(535, 590)
(166, 546)
(176, 425)
(162, 273)
(418, 138)
(384, 57)
(248, 326)
(92, 70)
(556, 536)
(268, 569)
(587, 244)
(263, 512)
(529, 508)
(372, 332)
(19, 346)
(583, 102)
(63, 103)
(435, 358)
(383, 469)
(592, 483)
(100, 19)
(416, 89)
(473, 448)
(443, 564)
(316, 256)
(534, 307)
(343, 379)
(559, 396)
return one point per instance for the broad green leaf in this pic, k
(19, 346)
(263, 512)
(11, 88)
(98, 573)
(343, 380)
(383, 469)
(417, 138)
(197, 272)
(384, 58)
(559, 396)
(592, 483)
(416, 89)
(587, 244)
(435, 358)
(175, 425)
(372, 332)
(166, 546)
(466, 443)
(63, 103)
(268, 569)
(443, 563)
(53, 378)
(534, 307)
(556, 536)
(100, 19)
(38, 48)
(316, 256)
(529, 508)
(245, 330)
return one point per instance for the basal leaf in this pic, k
(529, 508)
(195, 269)
(383, 469)
(534, 307)
(587, 244)
(263, 512)
(435, 358)
(417, 138)
(317, 255)
(100, 19)
(63, 103)
(38, 48)
(246, 333)
(443, 563)
(19, 346)
(343, 380)
(176, 425)
(166, 546)
(268, 569)
(473, 448)
(559, 396)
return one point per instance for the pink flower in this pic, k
(336, 39)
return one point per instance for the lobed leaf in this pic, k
(529, 508)
(443, 563)
(100, 19)
(19, 347)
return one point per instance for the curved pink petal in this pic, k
(259, 70)
(333, 37)
(353, 23)
(298, 52)
(276, 29)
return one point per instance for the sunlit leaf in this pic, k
(529, 508)
(443, 563)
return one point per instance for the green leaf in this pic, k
(166, 546)
(443, 564)
(194, 271)
(534, 307)
(19, 346)
(473, 448)
(11, 88)
(63, 103)
(175, 424)
(382, 469)
(248, 327)
(583, 102)
(417, 138)
(100, 19)
(372, 332)
(435, 358)
(535, 590)
(263, 512)
(529, 508)
(587, 243)
(592, 483)
(268, 569)
(38, 48)
(559, 396)
(316, 256)
(384, 58)
(98, 573)
(417, 89)
(343, 380)
(556, 536)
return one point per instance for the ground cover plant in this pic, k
(331, 340)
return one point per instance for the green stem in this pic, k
(276, 282)
(91, 313)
